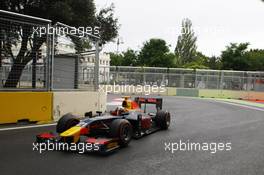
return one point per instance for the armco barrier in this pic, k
(31, 106)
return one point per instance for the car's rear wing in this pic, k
(144, 100)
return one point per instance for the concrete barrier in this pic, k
(77, 103)
(31, 106)
(208, 93)
(187, 92)
(256, 95)
(171, 91)
(48, 106)
(228, 94)
(214, 93)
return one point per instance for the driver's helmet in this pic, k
(120, 110)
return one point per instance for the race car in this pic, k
(134, 119)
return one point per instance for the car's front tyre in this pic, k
(121, 129)
(66, 122)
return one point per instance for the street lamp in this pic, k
(119, 41)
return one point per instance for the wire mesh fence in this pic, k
(75, 57)
(23, 53)
(35, 55)
(188, 78)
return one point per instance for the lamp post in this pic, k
(119, 41)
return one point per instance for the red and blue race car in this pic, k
(114, 129)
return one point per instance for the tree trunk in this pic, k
(1, 45)
(33, 67)
(21, 61)
(14, 75)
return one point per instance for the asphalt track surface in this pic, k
(195, 120)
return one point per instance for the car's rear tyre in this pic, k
(121, 129)
(66, 122)
(163, 119)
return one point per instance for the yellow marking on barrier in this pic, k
(32, 106)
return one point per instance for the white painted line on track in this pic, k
(241, 105)
(27, 127)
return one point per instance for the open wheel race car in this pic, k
(112, 130)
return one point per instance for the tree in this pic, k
(237, 57)
(214, 63)
(71, 12)
(116, 59)
(186, 47)
(201, 62)
(127, 58)
(155, 52)
(108, 24)
(234, 57)
(255, 59)
(130, 58)
(204, 62)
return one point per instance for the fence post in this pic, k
(96, 66)
(51, 69)
(221, 80)
(46, 64)
(195, 81)
(34, 72)
(117, 75)
(1, 71)
(168, 78)
(144, 76)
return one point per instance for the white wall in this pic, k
(77, 103)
